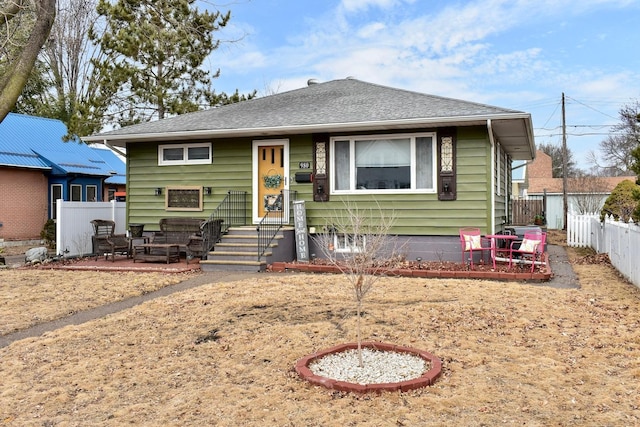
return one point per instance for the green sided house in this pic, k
(439, 164)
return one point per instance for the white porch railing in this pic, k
(619, 240)
(74, 229)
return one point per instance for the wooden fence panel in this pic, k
(523, 210)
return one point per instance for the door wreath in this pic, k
(272, 180)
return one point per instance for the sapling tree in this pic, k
(358, 242)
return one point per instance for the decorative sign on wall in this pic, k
(184, 199)
(300, 226)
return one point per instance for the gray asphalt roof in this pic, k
(334, 102)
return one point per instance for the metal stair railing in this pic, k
(273, 220)
(232, 211)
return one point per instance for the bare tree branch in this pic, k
(365, 249)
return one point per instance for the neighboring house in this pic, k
(37, 168)
(438, 164)
(584, 195)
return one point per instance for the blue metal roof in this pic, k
(36, 142)
(116, 166)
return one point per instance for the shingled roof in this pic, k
(335, 106)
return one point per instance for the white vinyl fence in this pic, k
(74, 229)
(619, 240)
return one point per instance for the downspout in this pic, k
(111, 147)
(493, 178)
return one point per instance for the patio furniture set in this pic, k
(506, 247)
(176, 235)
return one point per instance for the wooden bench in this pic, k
(177, 231)
(188, 234)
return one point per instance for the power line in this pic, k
(592, 108)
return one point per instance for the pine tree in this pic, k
(154, 55)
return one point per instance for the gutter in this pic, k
(111, 147)
(318, 127)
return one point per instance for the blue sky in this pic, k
(519, 54)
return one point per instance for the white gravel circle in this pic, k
(380, 366)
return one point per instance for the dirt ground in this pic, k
(223, 354)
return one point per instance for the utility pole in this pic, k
(564, 166)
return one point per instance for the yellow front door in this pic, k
(271, 179)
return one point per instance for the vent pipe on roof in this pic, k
(312, 82)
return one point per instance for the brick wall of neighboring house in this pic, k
(23, 203)
(541, 167)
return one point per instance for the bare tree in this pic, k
(24, 29)
(557, 162)
(358, 243)
(615, 152)
(588, 192)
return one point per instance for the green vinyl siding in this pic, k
(419, 214)
(231, 169)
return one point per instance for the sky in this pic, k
(516, 54)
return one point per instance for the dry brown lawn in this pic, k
(223, 354)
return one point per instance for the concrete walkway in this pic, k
(563, 278)
(104, 310)
(563, 275)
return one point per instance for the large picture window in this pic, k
(379, 164)
(184, 154)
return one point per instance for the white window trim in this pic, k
(412, 137)
(95, 187)
(349, 249)
(185, 149)
(54, 202)
(71, 187)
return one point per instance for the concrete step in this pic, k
(235, 256)
(240, 247)
(223, 265)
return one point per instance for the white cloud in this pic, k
(359, 5)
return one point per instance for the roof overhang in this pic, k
(515, 135)
(513, 131)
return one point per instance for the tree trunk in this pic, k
(17, 73)
(358, 339)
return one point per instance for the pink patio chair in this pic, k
(531, 246)
(472, 241)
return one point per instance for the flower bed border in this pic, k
(426, 379)
(407, 272)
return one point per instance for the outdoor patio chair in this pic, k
(531, 246)
(106, 242)
(472, 241)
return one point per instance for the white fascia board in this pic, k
(301, 129)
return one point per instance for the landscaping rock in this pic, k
(36, 254)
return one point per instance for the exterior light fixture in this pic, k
(207, 191)
(158, 191)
